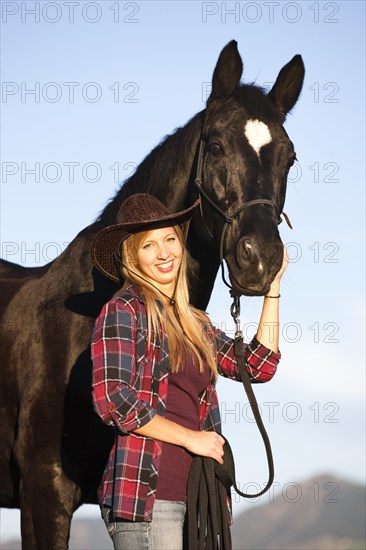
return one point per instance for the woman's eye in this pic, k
(214, 149)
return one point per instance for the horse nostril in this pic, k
(247, 247)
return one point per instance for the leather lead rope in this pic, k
(244, 367)
(209, 483)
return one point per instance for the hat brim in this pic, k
(106, 244)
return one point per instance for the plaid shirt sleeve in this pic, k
(116, 380)
(261, 361)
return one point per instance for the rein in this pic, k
(210, 483)
(228, 218)
(235, 313)
(242, 364)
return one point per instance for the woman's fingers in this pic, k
(208, 444)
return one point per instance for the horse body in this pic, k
(54, 447)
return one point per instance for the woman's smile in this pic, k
(166, 266)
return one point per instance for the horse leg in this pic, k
(47, 501)
(9, 478)
(47, 497)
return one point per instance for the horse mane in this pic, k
(161, 165)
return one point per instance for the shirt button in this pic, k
(111, 406)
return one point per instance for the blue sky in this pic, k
(110, 80)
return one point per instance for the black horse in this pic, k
(236, 155)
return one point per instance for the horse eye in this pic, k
(214, 148)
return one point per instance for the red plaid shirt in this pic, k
(130, 386)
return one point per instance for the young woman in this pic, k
(156, 359)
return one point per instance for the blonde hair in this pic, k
(191, 338)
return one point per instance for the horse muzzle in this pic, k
(253, 266)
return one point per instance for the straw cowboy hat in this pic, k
(139, 212)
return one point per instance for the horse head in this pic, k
(242, 168)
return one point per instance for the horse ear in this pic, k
(228, 71)
(287, 88)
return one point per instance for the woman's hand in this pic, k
(268, 328)
(206, 444)
(276, 281)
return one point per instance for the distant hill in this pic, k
(323, 513)
(86, 534)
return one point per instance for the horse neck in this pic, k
(165, 172)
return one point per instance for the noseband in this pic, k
(228, 219)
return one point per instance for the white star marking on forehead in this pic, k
(257, 134)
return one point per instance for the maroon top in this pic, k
(183, 407)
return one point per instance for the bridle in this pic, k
(227, 474)
(227, 217)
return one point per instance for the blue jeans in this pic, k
(164, 532)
